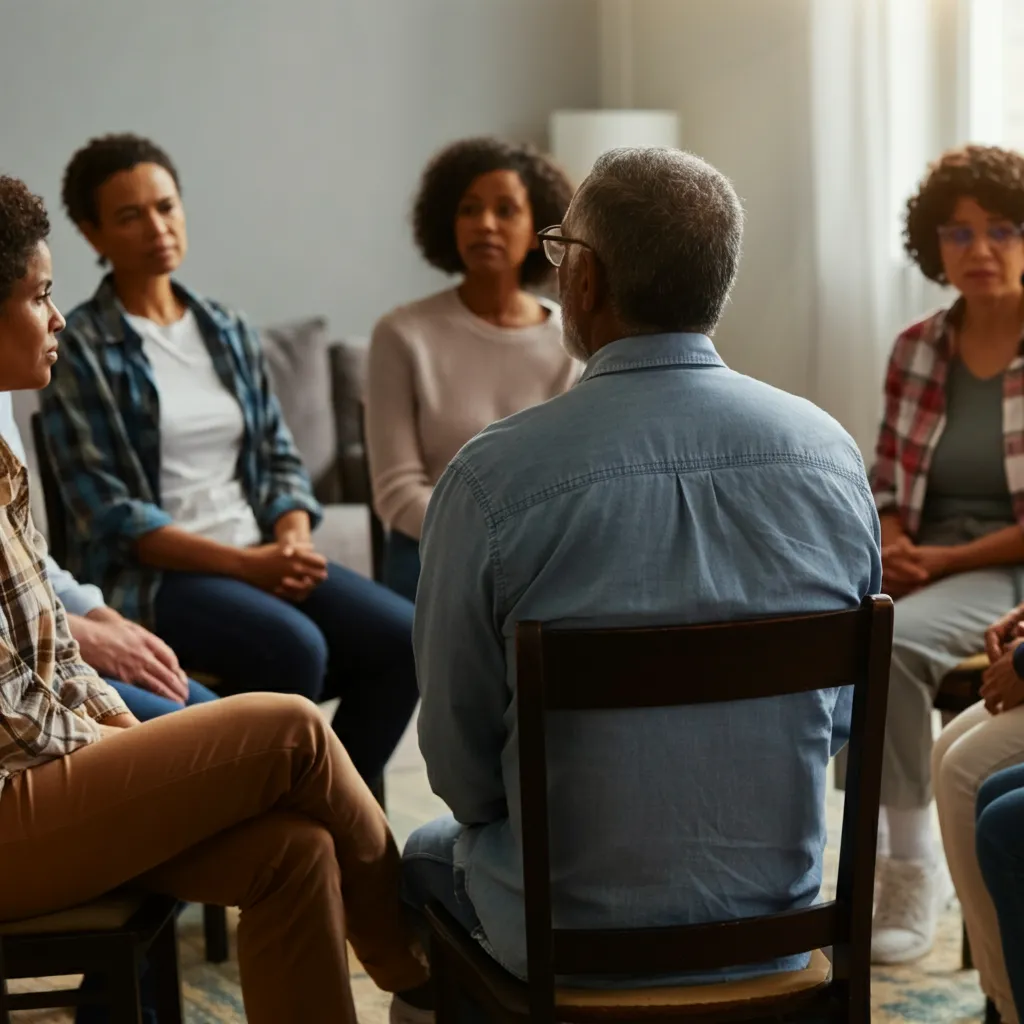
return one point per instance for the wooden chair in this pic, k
(108, 938)
(958, 690)
(215, 921)
(359, 486)
(564, 670)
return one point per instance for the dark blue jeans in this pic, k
(1000, 843)
(145, 705)
(401, 569)
(350, 638)
(428, 874)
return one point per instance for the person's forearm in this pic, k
(294, 526)
(1004, 547)
(892, 528)
(79, 626)
(177, 550)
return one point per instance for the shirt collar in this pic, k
(112, 314)
(649, 350)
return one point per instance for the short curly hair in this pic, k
(23, 225)
(993, 177)
(450, 173)
(99, 160)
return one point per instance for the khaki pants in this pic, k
(250, 801)
(972, 747)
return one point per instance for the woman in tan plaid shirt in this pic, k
(249, 801)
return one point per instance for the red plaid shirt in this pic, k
(915, 416)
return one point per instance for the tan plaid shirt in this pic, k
(50, 700)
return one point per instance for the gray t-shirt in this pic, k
(967, 477)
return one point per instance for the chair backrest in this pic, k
(53, 501)
(376, 526)
(580, 670)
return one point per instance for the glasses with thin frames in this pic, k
(962, 236)
(554, 244)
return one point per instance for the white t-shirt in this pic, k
(201, 431)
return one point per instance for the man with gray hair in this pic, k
(664, 488)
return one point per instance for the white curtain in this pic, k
(884, 80)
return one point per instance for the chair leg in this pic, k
(5, 1010)
(163, 963)
(966, 957)
(215, 932)
(122, 982)
(446, 991)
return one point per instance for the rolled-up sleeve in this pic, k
(77, 598)
(77, 684)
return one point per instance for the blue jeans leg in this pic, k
(429, 876)
(428, 872)
(351, 638)
(1000, 845)
(401, 569)
(145, 705)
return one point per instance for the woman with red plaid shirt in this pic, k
(948, 481)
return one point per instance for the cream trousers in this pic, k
(972, 747)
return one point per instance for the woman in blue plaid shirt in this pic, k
(188, 502)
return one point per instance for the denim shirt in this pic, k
(664, 488)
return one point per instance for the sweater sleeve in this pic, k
(401, 483)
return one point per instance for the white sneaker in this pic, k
(911, 896)
(402, 1012)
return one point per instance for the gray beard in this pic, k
(571, 340)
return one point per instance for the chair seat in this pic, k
(694, 998)
(107, 914)
(961, 685)
(971, 665)
(579, 1004)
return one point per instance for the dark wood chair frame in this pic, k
(566, 670)
(116, 956)
(958, 691)
(215, 921)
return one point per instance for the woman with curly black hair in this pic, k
(948, 481)
(443, 368)
(250, 801)
(189, 504)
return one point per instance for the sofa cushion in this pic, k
(300, 374)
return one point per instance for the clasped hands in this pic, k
(289, 566)
(1002, 689)
(907, 566)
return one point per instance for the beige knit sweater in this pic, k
(437, 376)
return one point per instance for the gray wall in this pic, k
(299, 128)
(738, 72)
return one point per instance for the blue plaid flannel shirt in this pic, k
(102, 423)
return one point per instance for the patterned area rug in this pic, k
(933, 991)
